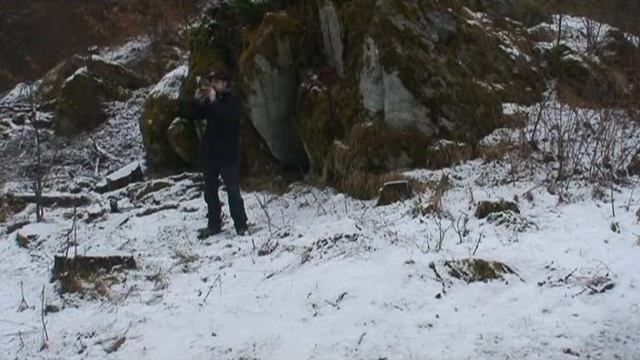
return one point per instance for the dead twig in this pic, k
(23, 304)
(432, 266)
(477, 244)
(45, 334)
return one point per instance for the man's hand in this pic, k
(206, 94)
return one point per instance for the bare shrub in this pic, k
(591, 144)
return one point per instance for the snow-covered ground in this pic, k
(346, 280)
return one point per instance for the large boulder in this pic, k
(115, 74)
(79, 98)
(160, 110)
(79, 103)
(53, 80)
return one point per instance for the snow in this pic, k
(128, 52)
(578, 33)
(347, 280)
(124, 171)
(19, 94)
(171, 83)
(80, 72)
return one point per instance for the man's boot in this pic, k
(242, 229)
(207, 232)
(212, 228)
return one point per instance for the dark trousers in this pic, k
(230, 176)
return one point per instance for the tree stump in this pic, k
(394, 191)
(85, 266)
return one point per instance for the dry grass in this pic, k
(364, 185)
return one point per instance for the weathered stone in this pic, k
(331, 35)
(366, 87)
(114, 73)
(269, 71)
(485, 208)
(184, 140)
(79, 87)
(53, 80)
(79, 104)
(121, 178)
(395, 191)
(160, 110)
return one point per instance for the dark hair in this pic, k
(220, 75)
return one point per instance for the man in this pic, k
(216, 102)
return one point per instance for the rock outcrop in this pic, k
(78, 87)
(351, 91)
(160, 110)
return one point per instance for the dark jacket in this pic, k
(220, 143)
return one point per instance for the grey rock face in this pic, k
(384, 93)
(272, 104)
(331, 35)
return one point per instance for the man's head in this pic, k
(220, 81)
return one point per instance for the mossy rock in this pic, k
(374, 147)
(79, 98)
(215, 44)
(162, 107)
(52, 81)
(452, 75)
(317, 121)
(485, 208)
(184, 140)
(456, 61)
(158, 114)
(79, 104)
(9, 205)
(474, 270)
(116, 74)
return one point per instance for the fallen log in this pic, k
(85, 266)
(61, 200)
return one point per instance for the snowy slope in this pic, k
(365, 289)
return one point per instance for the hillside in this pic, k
(510, 131)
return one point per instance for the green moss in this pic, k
(80, 105)
(485, 208)
(184, 141)
(316, 125)
(265, 40)
(53, 80)
(10, 205)
(156, 118)
(473, 270)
